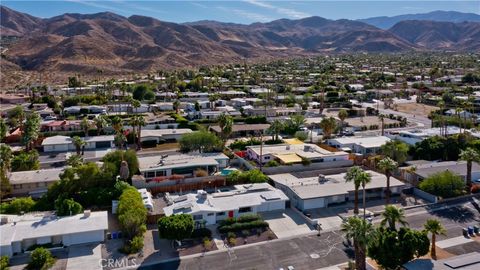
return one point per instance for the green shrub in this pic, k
(17, 206)
(242, 226)
(444, 184)
(249, 218)
(41, 258)
(272, 163)
(4, 263)
(201, 233)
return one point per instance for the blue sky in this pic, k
(246, 11)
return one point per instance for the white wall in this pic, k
(313, 203)
(56, 148)
(83, 237)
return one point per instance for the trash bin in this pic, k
(114, 235)
(465, 232)
(476, 229)
(470, 230)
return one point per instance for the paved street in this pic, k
(312, 252)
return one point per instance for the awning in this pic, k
(289, 158)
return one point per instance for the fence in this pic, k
(424, 195)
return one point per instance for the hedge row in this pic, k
(201, 233)
(243, 226)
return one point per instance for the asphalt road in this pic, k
(313, 252)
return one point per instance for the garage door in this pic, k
(314, 203)
(103, 144)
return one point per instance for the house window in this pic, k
(149, 174)
(210, 214)
(266, 157)
(197, 217)
(17, 186)
(160, 173)
(244, 209)
(220, 214)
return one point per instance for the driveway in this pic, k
(286, 224)
(83, 257)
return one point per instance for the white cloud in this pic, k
(99, 5)
(256, 17)
(289, 12)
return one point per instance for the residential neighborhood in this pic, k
(325, 161)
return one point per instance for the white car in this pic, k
(50, 117)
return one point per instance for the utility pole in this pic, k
(261, 150)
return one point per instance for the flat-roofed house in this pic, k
(294, 153)
(160, 135)
(182, 164)
(241, 200)
(33, 183)
(243, 130)
(61, 143)
(18, 233)
(359, 145)
(309, 190)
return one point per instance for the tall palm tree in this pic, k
(100, 123)
(135, 104)
(359, 230)
(176, 105)
(434, 227)
(359, 178)
(391, 216)
(388, 166)
(396, 150)
(79, 143)
(140, 123)
(382, 120)
(212, 98)
(469, 155)
(225, 122)
(117, 124)
(85, 126)
(31, 130)
(275, 128)
(342, 115)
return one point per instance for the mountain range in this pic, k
(87, 43)
(384, 22)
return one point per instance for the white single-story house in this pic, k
(309, 190)
(61, 143)
(359, 145)
(182, 164)
(18, 233)
(163, 134)
(241, 200)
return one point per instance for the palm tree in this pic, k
(225, 122)
(79, 143)
(359, 230)
(328, 126)
(342, 115)
(176, 105)
(3, 129)
(75, 160)
(382, 120)
(140, 123)
(388, 166)
(100, 123)
(392, 215)
(434, 227)
(136, 104)
(85, 126)
(469, 155)
(359, 178)
(275, 128)
(31, 130)
(213, 98)
(117, 124)
(443, 131)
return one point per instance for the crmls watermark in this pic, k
(118, 263)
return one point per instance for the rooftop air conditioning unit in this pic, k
(321, 178)
(307, 148)
(287, 147)
(4, 220)
(86, 213)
